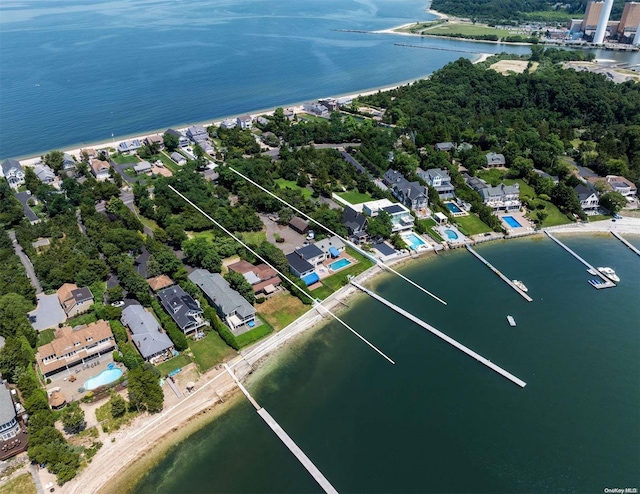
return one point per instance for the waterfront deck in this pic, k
(286, 440)
(606, 282)
(502, 277)
(626, 242)
(443, 336)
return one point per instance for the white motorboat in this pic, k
(512, 321)
(520, 285)
(609, 273)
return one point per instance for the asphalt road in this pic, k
(25, 262)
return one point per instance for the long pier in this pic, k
(607, 283)
(626, 242)
(284, 437)
(443, 336)
(502, 277)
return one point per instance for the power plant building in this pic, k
(591, 17)
(629, 20)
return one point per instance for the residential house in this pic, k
(44, 174)
(262, 278)
(624, 186)
(142, 167)
(312, 254)
(588, 198)
(68, 162)
(228, 123)
(159, 282)
(178, 158)
(315, 108)
(24, 198)
(495, 160)
(445, 146)
(542, 174)
(289, 114)
(100, 169)
(411, 194)
(356, 224)
(128, 147)
(299, 225)
(183, 141)
(155, 139)
(440, 180)
(232, 307)
(500, 198)
(299, 267)
(245, 121)
(353, 162)
(74, 300)
(391, 177)
(331, 247)
(197, 133)
(182, 308)
(74, 346)
(146, 333)
(330, 104)
(89, 153)
(344, 101)
(13, 439)
(401, 218)
(13, 172)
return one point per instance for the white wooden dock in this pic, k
(626, 242)
(443, 336)
(286, 440)
(607, 283)
(502, 277)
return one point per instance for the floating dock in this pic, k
(287, 441)
(606, 282)
(443, 336)
(503, 277)
(626, 242)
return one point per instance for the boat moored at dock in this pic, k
(609, 273)
(520, 285)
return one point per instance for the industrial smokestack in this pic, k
(598, 38)
(636, 39)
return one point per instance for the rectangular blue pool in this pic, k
(512, 222)
(413, 240)
(453, 208)
(339, 264)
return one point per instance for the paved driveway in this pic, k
(25, 262)
(292, 239)
(48, 313)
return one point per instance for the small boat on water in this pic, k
(520, 285)
(512, 321)
(609, 273)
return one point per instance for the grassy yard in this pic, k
(281, 310)
(209, 351)
(22, 484)
(254, 238)
(82, 319)
(168, 162)
(46, 336)
(173, 364)
(321, 292)
(121, 159)
(245, 339)
(554, 215)
(338, 280)
(108, 423)
(472, 225)
(290, 184)
(466, 30)
(355, 197)
(492, 177)
(149, 223)
(429, 225)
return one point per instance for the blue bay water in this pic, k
(76, 72)
(438, 421)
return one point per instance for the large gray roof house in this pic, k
(151, 341)
(185, 312)
(232, 307)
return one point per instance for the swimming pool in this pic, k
(451, 235)
(453, 208)
(107, 376)
(413, 240)
(511, 221)
(339, 264)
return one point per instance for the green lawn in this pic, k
(492, 176)
(46, 336)
(554, 215)
(281, 310)
(355, 197)
(208, 234)
(338, 280)
(209, 351)
(429, 225)
(255, 334)
(168, 162)
(321, 292)
(466, 30)
(149, 223)
(253, 238)
(22, 484)
(82, 319)
(108, 423)
(121, 159)
(175, 363)
(290, 184)
(471, 224)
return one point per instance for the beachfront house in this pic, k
(100, 169)
(197, 133)
(13, 438)
(245, 122)
(331, 247)
(129, 147)
(588, 198)
(356, 224)
(228, 123)
(154, 140)
(315, 108)
(300, 267)
(75, 346)
(401, 218)
(623, 186)
(44, 174)
(262, 278)
(500, 198)
(68, 162)
(312, 254)
(178, 158)
(440, 180)
(182, 308)
(232, 307)
(74, 300)
(495, 160)
(13, 172)
(146, 333)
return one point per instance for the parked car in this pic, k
(311, 235)
(119, 303)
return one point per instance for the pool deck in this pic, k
(526, 225)
(70, 388)
(324, 271)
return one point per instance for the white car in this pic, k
(119, 303)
